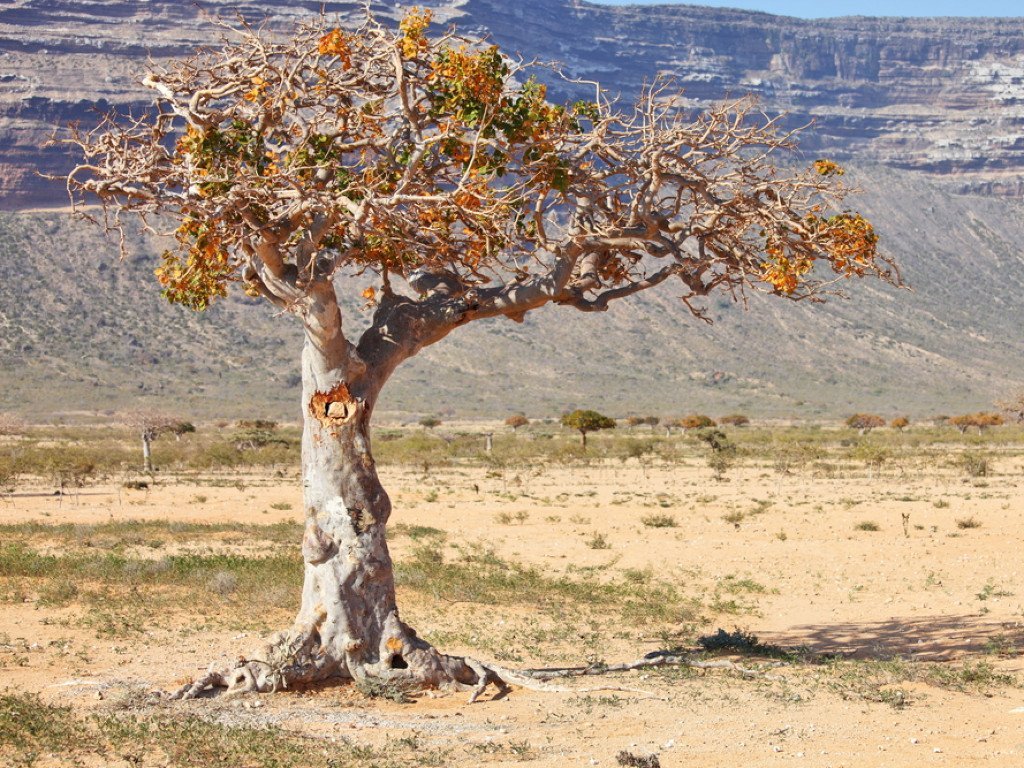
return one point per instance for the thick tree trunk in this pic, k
(348, 624)
(348, 597)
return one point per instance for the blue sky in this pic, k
(821, 8)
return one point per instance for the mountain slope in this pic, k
(81, 331)
(926, 108)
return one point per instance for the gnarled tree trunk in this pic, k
(348, 598)
(348, 624)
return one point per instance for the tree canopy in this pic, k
(584, 421)
(865, 422)
(440, 160)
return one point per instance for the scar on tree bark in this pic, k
(335, 407)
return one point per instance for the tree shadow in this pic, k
(928, 638)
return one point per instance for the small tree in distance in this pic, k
(722, 454)
(695, 421)
(587, 421)
(516, 421)
(900, 423)
(429, 422)
(865, 422)
(982, 420)
(149, 425)
(734, 420)
(438, 167)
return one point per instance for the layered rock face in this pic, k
(943, 97)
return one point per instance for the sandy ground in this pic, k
(925, 591)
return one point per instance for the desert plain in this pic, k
(864, 594)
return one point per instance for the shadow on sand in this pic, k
(929, 638)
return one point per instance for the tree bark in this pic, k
(348, 624)
(348, 597)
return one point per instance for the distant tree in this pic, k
(429, 422)
(637, 421)
(149, 425)
(258, 433)
(180, 428)
(962, 422)
(723, 452)
(516, 421)
(900, 423)
(695, 421)
(734, 420)
(982, 420)
(437, 167)
(587, 421)
(865, 422)
(987, 419)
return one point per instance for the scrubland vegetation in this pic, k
(77, 456)
(218, 521)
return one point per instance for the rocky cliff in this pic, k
(944, 97)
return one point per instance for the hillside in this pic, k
(81, 331)
(926, 109)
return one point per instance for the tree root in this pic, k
(288, 660)
(651, 660)
(296, 659)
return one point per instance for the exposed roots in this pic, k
(296, 659)
(288, 660)
(651, 660)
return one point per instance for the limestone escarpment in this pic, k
(944, 97)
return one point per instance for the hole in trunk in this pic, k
(334, 407)
(397, 662)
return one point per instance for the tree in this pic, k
(586, 421)
(982, 420)
(695, 421)
(149, 425)
(864, 422)
(516, 421)
(735, 420)
(438, 167)
(900, 423)
(722, 453)
(987, 419)
(429, 422)
(257, 433)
